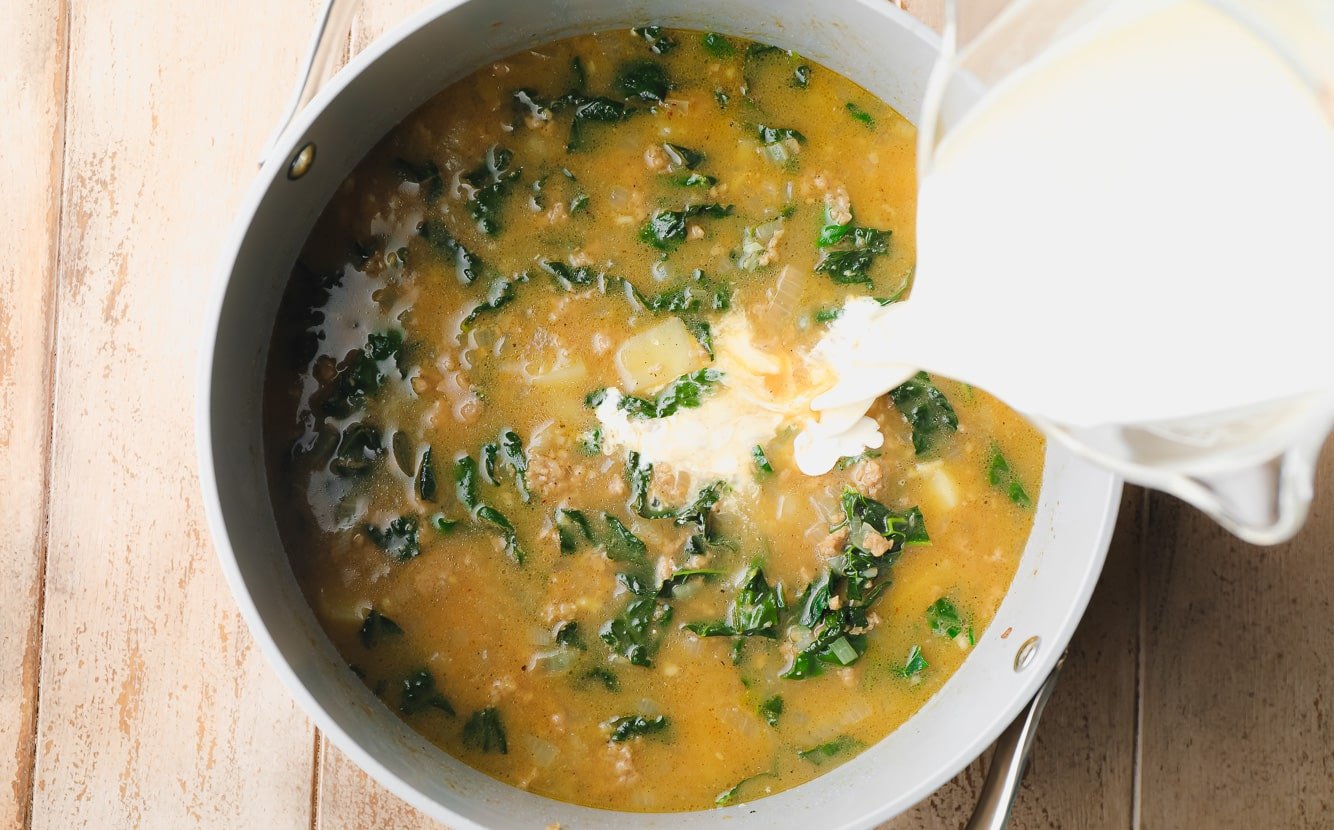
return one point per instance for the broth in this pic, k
(630, 211)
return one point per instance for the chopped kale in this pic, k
(512, 454)
(944, 619)
(659, 42)
(590, 442)
(375, 626)
(527, 104)
(606, 677)
(771, 710)
(849, 263)
(849, 460)
(667, 228)
(499, 295)
(927, 411)
(687, 391)
(494, 517)
(860, 115)
(683, 156)
(826, 751)
(729, 795)
(490, 455)
(622, 544)
(468, 267)
(635, 633)
(363, 372)
(692, 179)
(426, 483)
(827, 314)
(645, 80)
(1003, 478)
(717, 45)
(754, 612)
(567, 634)
(914, 665)
(720, 95)
(777, 135)
(443, 524)
(484, 732)
(571, 527)
(684, 575)
(398, 538)
(419, 693)
(359, 449)
(490, 182)
(465, 482)
(635, 726)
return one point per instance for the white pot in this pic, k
(869, 41)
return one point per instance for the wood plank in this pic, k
(32, 85)
(156, 708)
(1082, 770)
(1238, 696)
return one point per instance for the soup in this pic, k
(531, 408)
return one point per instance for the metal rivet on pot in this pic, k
(1027, 651)
(301, 162)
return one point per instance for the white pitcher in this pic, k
(1131, 239)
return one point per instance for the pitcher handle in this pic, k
(332, 28)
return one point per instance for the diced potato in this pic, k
(659, 355)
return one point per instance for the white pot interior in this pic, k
(870, 42)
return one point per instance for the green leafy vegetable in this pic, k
(622, 544)
(754, 612)
(512, 454)
(721, 97)
(667, 228)
(360, 448)
(777, 135)
(944, 619)
(860, 115)
(849, 263)
(849, 460)
(604, 676)
(376, 626)
(498, 295)
(571, 526)
(363, 372)
(419, 693)
(692, 179)
(490, 182)
(645, 80)
(590, 442)
(927, 411)
(684, 575)
(683, 156)
(801, 76)
(729, 795)
(567, 634)
(426, 483)
(468, 267)
(443, 524)
(636, 632)
(398, 538)
(490, 455)
(828, 314)
(687, 391)
(826, 751)
(659, 42)
(635, 726)
(832, 231)
(717, 45)
(484, 732)
(1004, 479)
(914, 665)
(761, 460)
(494, 517)
(771, 710)
(465, 482)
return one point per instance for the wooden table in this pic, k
(1199, 690)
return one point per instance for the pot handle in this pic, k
(332, 28)
(1009, 760)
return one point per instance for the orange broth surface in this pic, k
(554, 612)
